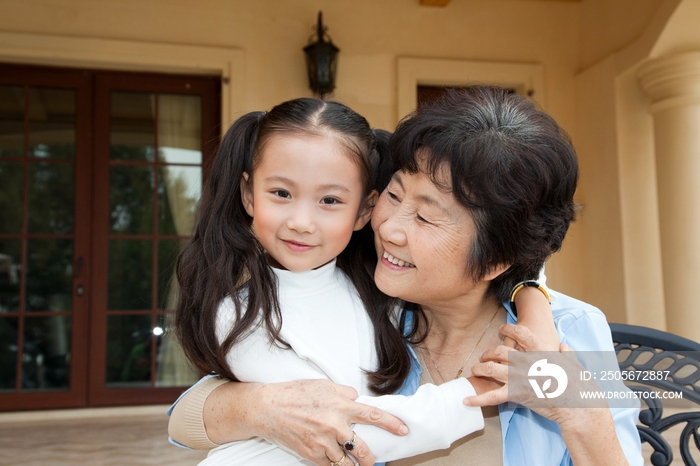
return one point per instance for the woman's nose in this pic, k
(391, 229)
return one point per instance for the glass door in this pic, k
(100, 175)
(151, 142)
(44, 225)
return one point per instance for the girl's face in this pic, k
(306, 198)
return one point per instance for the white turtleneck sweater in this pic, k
(331, 337)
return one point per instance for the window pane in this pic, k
(52, 123)
(130, 274)
(10, 270)
(11, 197)
(131, 199)
(172, 367)
(8, 354)
(11, 121)
(51, 198)
(46, 353)
(132, 126)
(128, 351)
(179, 190)
(49, 274)
(180, 128)
(167, 281)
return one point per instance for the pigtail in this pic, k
(224, 257)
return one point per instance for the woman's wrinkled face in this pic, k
(423, 237)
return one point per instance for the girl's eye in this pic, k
(281, 193)
(330, 201)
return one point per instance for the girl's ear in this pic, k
(365, 212)
(247, 193)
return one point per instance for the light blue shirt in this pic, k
(532, 440)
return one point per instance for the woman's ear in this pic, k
(365, 212)
(496, 271)
(247, 193)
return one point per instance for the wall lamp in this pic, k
(321, 60)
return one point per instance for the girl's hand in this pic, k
(311, 418)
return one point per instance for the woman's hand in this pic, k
(310, 417)
(494, 363)
(589, 433)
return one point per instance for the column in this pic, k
(673, 83)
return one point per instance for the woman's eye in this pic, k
(422, 220)
(330, 201)
(281, 193)
(392, 196)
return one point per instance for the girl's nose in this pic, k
(302, 221)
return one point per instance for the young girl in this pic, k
(277, 282)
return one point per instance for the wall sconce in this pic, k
(321, 61)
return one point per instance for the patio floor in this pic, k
(139, 437)
(113, 436)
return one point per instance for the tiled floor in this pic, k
(113, 440)
(105, 438)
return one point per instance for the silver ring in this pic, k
(339, 462)
(349, 445)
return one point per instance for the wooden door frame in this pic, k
(526, 78)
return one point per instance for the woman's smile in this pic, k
(390, 260)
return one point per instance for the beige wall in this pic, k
(609, 26)
(371, 35)
(588, 52)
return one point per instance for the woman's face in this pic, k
(423, 237)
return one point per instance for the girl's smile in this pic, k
(297, 246)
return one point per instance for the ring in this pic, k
(339, 462)
(349, 445)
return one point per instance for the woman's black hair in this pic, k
(224, 258)
(511, 166)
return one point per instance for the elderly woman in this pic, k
(482, 196)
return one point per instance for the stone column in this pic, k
(673, 83)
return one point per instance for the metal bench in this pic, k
(645, 349)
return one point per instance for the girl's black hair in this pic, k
(224, 258)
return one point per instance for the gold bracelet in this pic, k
(520, 286)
